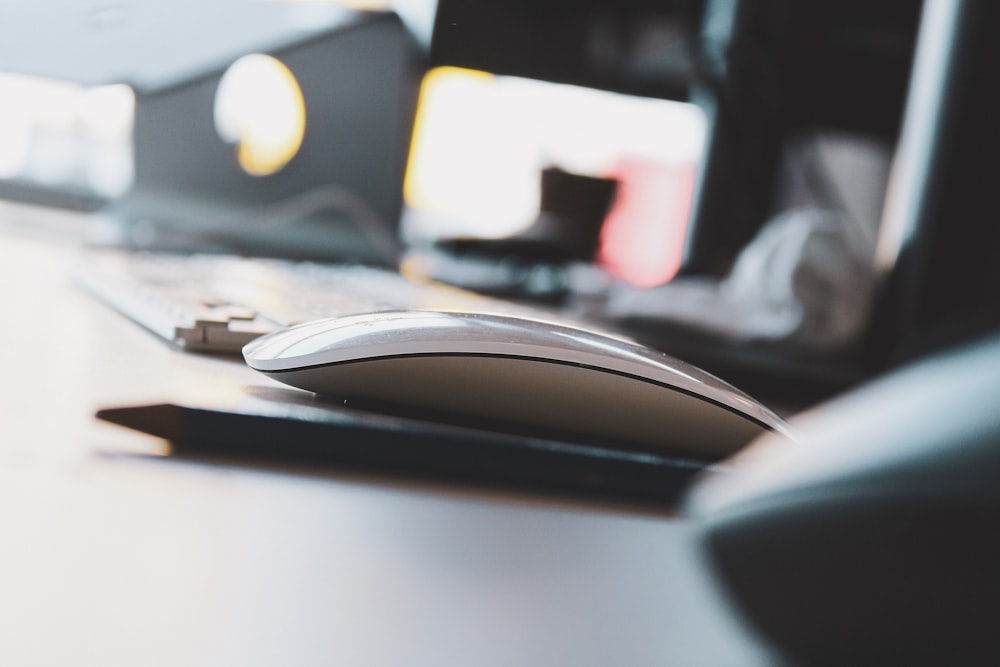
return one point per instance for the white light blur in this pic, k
(63, 135)
(108, 112)
(482, 140)
(259, 108)
(15, 137)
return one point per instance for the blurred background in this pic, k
(719, 178)
(480, 141)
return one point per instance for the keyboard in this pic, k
(219, 303)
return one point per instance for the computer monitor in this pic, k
(759, 70)
(637, 47)
(262, 127)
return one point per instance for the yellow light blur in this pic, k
(464, 159)
(259, 107)
(443, 88)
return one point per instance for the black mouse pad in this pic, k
(289, 426)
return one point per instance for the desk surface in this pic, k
(114, 554)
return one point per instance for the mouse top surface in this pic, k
(512, 370)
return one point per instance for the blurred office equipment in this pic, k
(761, 71)
(530, 263)
(332, 192)
(776, 279)
(485, 177)
(340, 181)
(779, 218)
(870, 544)
(262, 127)
(783, 86)
(556, 104)
(939, 243)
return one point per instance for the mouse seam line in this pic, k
(680, 390)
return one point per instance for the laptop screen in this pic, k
(265, 128)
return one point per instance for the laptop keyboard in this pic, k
(218, 303)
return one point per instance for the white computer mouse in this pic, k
(543, 378)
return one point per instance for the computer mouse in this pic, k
(876, 539)
(531, 376)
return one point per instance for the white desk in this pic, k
(114, 557)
